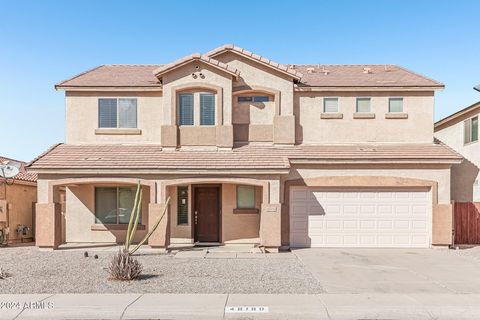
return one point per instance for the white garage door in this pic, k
(321, 218)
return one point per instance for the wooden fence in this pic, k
(466, 217)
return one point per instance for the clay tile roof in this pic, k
(307, 75)
(23, 174)
(230, 47)
(243, 158)
(114, 76)
(196, 57)
(363, 76)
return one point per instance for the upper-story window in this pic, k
(253, 99)
(471, 130)
(207, 109)
(330, 105)
(395, 105)
(117, 113)
(186, 112)
(186, 109)
(363, 105)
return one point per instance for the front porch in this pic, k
(201, 211)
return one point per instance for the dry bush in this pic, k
(4, 274)
(124, 267)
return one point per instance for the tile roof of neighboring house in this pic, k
(272, 64)
(125, 76)
(196, 57)
(457, 116)
(23, 175)
(249, 157)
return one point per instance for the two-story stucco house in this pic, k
(460, 131)
(249, 151)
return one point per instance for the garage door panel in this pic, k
(360, 219)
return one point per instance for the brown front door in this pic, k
(207, 212)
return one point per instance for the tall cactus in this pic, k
(133, 222)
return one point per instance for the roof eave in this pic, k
(189, 59)
(377, 161)
(166, 171)
(109, 88)
(450, 120)
(367, 88)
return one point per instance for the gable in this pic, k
(272, 65)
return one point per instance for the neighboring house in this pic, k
(17, 206)
(249, 151)
(460, 132)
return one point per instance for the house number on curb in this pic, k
(246, 309)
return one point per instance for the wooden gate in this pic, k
(467, 222)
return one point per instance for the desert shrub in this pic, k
(4, 274)
(124, 267)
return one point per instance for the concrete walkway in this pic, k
(238, 306)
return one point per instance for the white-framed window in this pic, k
(117, 113)
(253, 98)
(245, 197)
(113, 205)
(363, 105)
(470, 130)
(395, 105)
(330, 105)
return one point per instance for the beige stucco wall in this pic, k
(465, 174)
(253, 121)
(255, 74)
(20, 199)
(417, 128)
(239, 227)
(80, 216)
(81, 118)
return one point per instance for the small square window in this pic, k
(395, 105)
(363, 105)
(245, 197)
(330, 105)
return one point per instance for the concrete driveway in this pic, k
(404, 271)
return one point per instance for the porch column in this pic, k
(48, 219)
(160, 238)
(270, 218)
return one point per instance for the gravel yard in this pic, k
(67, 271)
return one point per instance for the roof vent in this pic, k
(367, 70)
(325, 71)
(311, 70)
(387, 69)
(292, 66)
